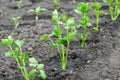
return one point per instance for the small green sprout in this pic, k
(15, 20)
(16, 52)
(56, 2)
(83, 8)
(96, 6)
(114, 8)
(19, 5)
(37, 69)
(63, 23)
(37, 11)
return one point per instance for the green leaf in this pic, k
(24, 55)
(40, 66)
(9, 54)
(37, 10)
(16, 51)
(61, 41)
(71, 35)
(96, 5)
(108, 1)
(33, 73)
(19, 43)
(43, 75)
(70, 22)
(82, 8)
(33, 62)
(57, 31)
(77, 11)
(55, 17)
(64, 17)
(7, 42)
(43, 37)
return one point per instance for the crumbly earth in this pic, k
(99, 60)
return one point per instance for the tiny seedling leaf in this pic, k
(33, 73)
(43, 75)
(43, 37)
(19, 43)
(9, 54)
(33, 62)
(40, 66)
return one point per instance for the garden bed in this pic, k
(98, 60)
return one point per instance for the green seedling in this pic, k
(114, 8)
(96, 6)
(63, 23)
(83, 9)
(37, 69)
(19, 5)
(56, 2)
(16, 52)
(37, 11)
(15, 20)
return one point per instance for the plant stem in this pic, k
(19, 66)
(24, 66)
(84, 37)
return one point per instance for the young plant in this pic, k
(37, 11)
(114, 8)
(56, 2)
(96, 6)
(15, 20)
(16, 52)
(63, 23)
(19, 5)
(38, 69)
(83, 9)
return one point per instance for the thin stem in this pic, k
(19, 66)
(24, 66)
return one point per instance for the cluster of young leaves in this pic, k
(63, 23)
(83, 9)
(37, 11)
(114, 8)
(15, 20)
(16, 52)
(96, 6)
(38, 69)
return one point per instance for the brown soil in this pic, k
(99, 60)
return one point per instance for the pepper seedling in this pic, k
(96, 6)
(16, 52)
(15, 20)
(37, 11)
(63, 23)
(56, 2)
(114, 8)
(83, 9)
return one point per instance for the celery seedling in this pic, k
(37, 69)
(15, 20)
(114, 8)
(83, 8)
(37, 11)
(16, 52)
(56, 2)
(19, 5)
(66, 24)
(97, 6)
